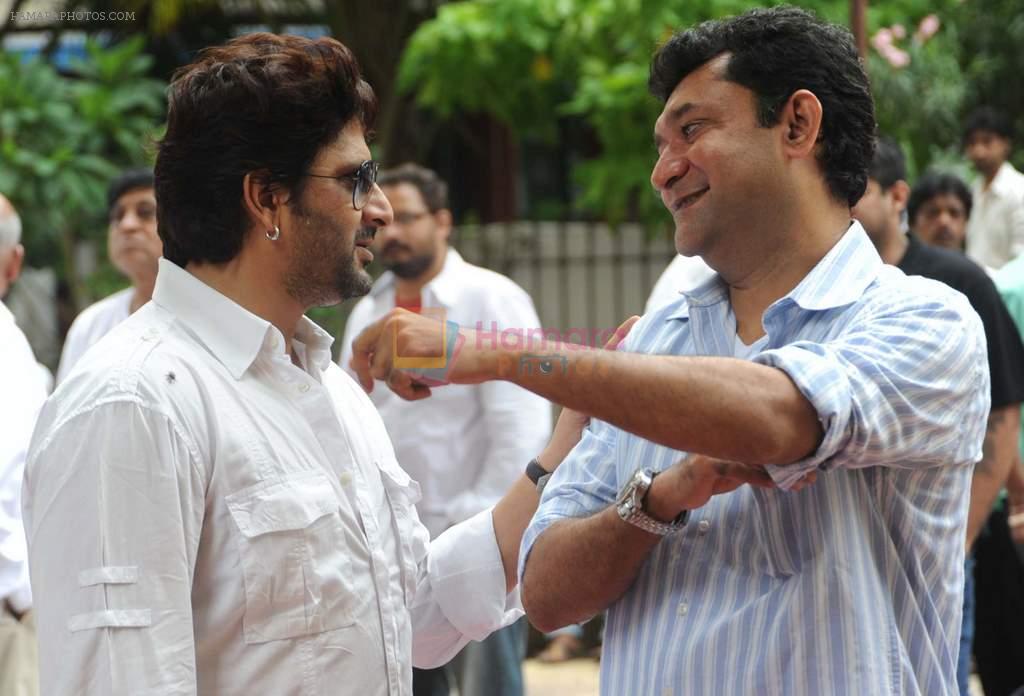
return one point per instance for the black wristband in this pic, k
(534, 471)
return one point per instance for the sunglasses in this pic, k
(363, 178)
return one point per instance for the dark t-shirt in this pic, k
(1005, 350)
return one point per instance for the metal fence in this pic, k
(579, 274)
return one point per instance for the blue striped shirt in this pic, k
(854, 584)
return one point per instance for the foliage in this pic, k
(529, 63)
(62, 139)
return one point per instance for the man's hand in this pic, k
(411, 337)
(690, 483)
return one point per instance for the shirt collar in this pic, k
(839, 279)
(445, 286)
(233, 334)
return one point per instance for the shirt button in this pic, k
(304, 387)
(703, 527)
(345, 478)
(682, 609)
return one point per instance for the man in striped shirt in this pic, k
(803, 355)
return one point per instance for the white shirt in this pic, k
(995, 230)
(204, 517)
(466, 444)
(684, 273)
(22, 392)
(95, 322)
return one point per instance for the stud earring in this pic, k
(275, 235)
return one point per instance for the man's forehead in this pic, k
(700, 88)
(349, 145)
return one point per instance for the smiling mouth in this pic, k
(689, 199)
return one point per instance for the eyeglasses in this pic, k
(406, 219)
(363, 179)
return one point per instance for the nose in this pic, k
(670, 168)
(377, 212)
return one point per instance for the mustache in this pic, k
(394, 245)
(366, 234)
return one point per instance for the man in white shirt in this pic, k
(22, 392)
(995, 231)
(467, 445)
(133, 247)
(212, 506)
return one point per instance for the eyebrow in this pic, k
(674, 115)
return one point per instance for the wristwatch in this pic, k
(630, 505)
(538, 474)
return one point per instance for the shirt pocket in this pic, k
(294, 558)
(402, 494)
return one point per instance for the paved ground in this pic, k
(572, 678)
(579, 678)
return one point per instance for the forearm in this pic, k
(511, 517)
(722, 407)
(578, 567)
(999, 453)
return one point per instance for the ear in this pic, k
(801, 124)
(443, 218)
(13, 268)
(900, 193)
(262, 200)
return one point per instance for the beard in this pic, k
(324, 270)
(411, 268)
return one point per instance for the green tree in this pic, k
(529, 63)
(62, 138)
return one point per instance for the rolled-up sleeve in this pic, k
(583, 485)
(906, 387)
(460, 590)
(113, 508)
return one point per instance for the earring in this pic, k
(275, 235)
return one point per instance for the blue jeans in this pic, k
(963, 663)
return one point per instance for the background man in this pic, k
(995, 234)
(880, 212)
(466, 446)
(22, 391)
(938, 209)
(805, 354)
(134, 248)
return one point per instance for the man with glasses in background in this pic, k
(466, 446)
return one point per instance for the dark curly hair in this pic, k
(775, 52)
(260, 103)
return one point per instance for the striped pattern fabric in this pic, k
(852, 585)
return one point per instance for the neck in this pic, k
(893, 247)
(142, 291)
(246, 285)
(989, 177)
(410, 288)
(805, 241)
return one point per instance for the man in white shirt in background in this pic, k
(134, 248)
(212, 506)
(22, 391)
(995, 231)
(468, 444)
